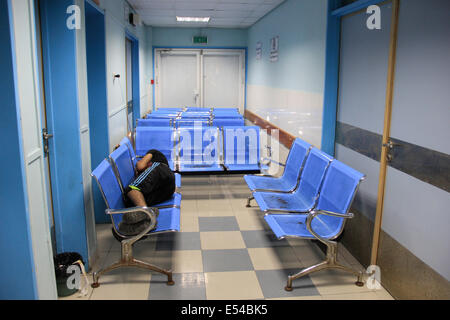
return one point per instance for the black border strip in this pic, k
(427, 165)
(359, 140)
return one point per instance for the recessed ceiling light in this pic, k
(193, 19)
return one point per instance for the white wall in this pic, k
(289, 93)
(83, 105)
(116, 24)
(182, 37)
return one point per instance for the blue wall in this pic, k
(301, 26)
(98, 100)
(17, 279)
(136, 81)
(182, 37)
(331, 79)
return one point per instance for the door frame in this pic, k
(135, 77)
(332, 60)
(97, 95)
(331, 94)
(44, 122)
(61, 89)
(156, 57)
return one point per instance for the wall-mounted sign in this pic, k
(259, 50)
(274, 45)
(200, 40)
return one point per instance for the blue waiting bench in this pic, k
(210, 149)
(228, 122)
(155, 122)
(241, 145)
(125, 172)
(125, 141)
(168, 220)
(304, 198)
(317, 209)
(290, 179)
(159, 138)
(198, 149)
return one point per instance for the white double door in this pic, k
(200, 78)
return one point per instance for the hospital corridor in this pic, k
(225, 157)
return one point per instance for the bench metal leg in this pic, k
(305, 272)
(330, 263)
(128, 260)
(136, 264)
(145, 265)
(249, 200)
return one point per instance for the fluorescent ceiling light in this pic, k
(193, 19)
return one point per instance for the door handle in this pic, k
(390, 145)
(45, 134)
(196, 96)
(46, 137)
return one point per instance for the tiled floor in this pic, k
(224, 251)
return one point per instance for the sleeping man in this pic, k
(155, 184)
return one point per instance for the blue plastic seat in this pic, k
(159, 138)
(226, 112)
(305, 197)
(163, 115)
(290, 179)
(156, 122)
(227, 116)
(191, 122)
(177, 180)
(326, 222)
(125, 173)
(196, 109)
(173, 202)
(195, 114)
(199, 149)
(126, 142)
(241, 148)
(123, 166)
(168, 220)
(228, 122)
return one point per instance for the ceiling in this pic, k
(223, 13)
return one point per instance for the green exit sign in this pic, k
(200, 40)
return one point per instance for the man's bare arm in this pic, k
(143, 164)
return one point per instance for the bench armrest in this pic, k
(315, 213)
(148, 211)
(334, 214)
(272, 161)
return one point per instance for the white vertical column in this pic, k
(83, 104)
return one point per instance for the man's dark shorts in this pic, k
(157, 184)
